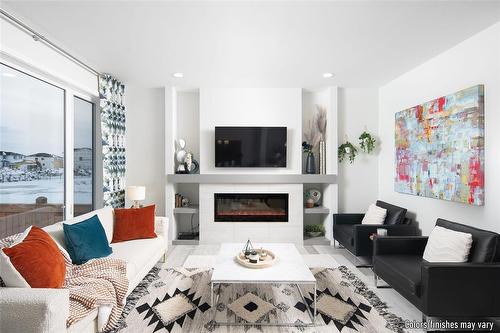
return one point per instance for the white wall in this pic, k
(474, 61)
(250, 107)
(188, 121)
(358, 182)
(145, 147)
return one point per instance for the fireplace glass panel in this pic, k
(251, 207)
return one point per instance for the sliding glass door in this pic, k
(83, 166)
(35, 186)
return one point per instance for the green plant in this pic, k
(306, 147)
(367, 142)
(347, 149)
(314, 228)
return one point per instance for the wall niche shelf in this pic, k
(251, 179)
(193, 209)
(317, 210)
(185, 241)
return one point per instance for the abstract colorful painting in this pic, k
(440, 148)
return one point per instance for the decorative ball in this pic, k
(313, 194)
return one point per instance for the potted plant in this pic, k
(347, 149)
(367, 142)
(314, 230)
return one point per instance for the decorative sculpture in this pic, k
(180, 156)
(248, 248)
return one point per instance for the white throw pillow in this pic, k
(10, 276)
(374, 215)
(445, 245)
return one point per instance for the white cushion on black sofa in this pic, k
(445, 245)
(374, 215)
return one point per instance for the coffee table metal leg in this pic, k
(214, 300)
(305, 303)
(215, 296)
(315, 297)
(211, 294)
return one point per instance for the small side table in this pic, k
(372, 237)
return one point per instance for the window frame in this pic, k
(70, 92)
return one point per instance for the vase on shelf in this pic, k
(322, 158)
(310, 163)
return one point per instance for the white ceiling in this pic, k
(257, 44)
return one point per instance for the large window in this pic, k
(35, 188)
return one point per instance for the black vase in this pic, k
(310, 163)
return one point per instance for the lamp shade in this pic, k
(136, 192)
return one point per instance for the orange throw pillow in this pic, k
(38, 259)
(134, 223)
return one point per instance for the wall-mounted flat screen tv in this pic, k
(250, 147)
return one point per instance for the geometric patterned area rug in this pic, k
(177, 300)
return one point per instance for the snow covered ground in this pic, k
(25, 192)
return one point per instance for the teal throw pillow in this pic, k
(86, 240)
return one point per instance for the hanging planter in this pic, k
(367, 142)
(347, 149)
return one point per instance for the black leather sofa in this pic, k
(355, 237)
(446, 290)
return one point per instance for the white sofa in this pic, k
(46, 310)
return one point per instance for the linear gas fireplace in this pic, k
(251, 207)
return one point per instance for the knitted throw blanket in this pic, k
(96, 283)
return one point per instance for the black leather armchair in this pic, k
(355, 237)
(458, 290)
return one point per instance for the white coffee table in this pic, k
(290, 268)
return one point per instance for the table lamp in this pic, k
(136, 194)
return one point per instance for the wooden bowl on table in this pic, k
(266, 259)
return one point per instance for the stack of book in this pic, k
(178, 200)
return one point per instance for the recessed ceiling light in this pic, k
(178, 75)
(327, 75)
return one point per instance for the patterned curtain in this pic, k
(111, 93)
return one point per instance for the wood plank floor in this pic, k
(178, 254)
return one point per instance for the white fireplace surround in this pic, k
(193, 116)
(217, 232)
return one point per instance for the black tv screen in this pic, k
(250, 147)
